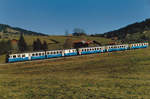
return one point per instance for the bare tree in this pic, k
(66, 33)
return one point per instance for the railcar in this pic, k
(138, 45)
(111, 48)
(72, 52)
(18, 57)
(36, 55)
(91, 50)
(54, 53)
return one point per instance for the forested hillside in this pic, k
(6, 29)
(139, 31)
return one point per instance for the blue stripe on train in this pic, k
(91, 52)
(37, 57)
(71, 54)
(136, 47)
(116, 49)
(18, 59)
(54, 55)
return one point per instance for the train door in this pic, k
(106, 48)
(63, 52)
(79, 51)
(29, 56)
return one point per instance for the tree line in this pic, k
(122, 33)
(6, 45)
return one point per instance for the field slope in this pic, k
(117, 75)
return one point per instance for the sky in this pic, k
(54, 17)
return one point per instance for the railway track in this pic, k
(51, 59)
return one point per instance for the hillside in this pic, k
(139, 31)
(117, 75)
(6, 29)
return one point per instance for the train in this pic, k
(19, 57)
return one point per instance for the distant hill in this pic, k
(15, 30)
(139, 31)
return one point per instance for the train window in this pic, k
(33, 54)
(23, 55)
(36, 54)
(14, 56)
(39, 54)
(47, 52)
(18, 56)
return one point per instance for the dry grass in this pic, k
(117, 75)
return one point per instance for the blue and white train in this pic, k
(72, 52)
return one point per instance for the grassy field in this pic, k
(117, 75)
(60, 39)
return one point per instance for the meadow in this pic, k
(116, 75)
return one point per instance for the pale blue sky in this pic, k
(55, 16)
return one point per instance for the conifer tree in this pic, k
(38, 44)
(44, 46)
(22, 44)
